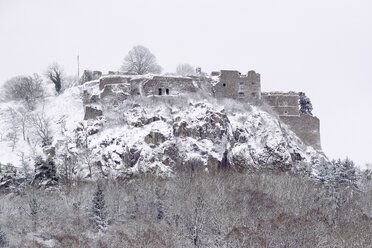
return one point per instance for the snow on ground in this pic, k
(22, 149)
(63, 112)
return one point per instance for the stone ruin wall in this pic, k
(89, 76)
(283, 103)
(232, 84)
(305, 126)
(103, 81)
(168, 86)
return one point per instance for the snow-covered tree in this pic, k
(8, 177)
(345, 171)
(99, 209)
(55, 74)
(45, 172)
(185, 70)
(140, 61)
(13, 129)
(305, 104)
(41, 125)
(24, 88)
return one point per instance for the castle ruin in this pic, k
(222, 84)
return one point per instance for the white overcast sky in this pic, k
(322, 47)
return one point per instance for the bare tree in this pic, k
(24, 88)
(24, 116)
(87, 158)
(55, 74)
(14, 128)
(140, 61)
(185, 69)
(42, 127)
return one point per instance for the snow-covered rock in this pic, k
(162, 134)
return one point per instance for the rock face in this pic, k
(151, 135)
(155, 138)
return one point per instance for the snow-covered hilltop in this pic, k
(173, 161)
(151, 134)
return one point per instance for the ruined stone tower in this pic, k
(232, 84)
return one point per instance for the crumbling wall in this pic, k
(89, 76)
(92, 112)
(236, 86)
(285, 104)
(305, 126)
(114, 79)
(160, 85)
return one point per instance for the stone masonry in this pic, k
(232, 84)
(305, 126)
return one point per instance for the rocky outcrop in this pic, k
(154, 136)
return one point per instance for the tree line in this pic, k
(225, 209)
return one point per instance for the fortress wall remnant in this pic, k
(285, 104)
(164, 85)
(117, 79)
(232, 84)
(117, 90)
(306, 127)
(92, 112)
(89, 76)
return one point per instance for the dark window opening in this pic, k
(160, 92)
(241, 83)
(167, 91)
(224, 85)
(253, 83)
(241, 93)
(254, 94)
